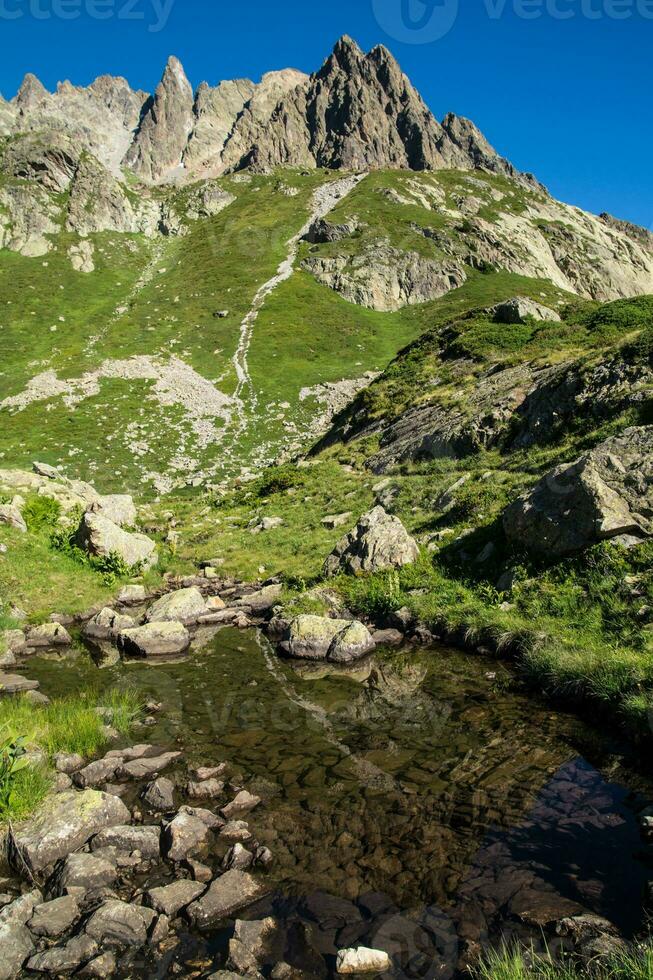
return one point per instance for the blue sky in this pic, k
(561, 87)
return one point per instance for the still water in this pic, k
(417, 803)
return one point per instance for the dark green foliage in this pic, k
(41, 512)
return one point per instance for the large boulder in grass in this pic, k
(101, 538)
(319, 638)
(378, 542)
(607, 493)
(63, 824)
(183, 606)
(520, 308)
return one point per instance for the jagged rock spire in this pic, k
(31, 92)
(166, 126)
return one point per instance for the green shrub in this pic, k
(41, 512)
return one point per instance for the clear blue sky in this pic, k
(569, 99)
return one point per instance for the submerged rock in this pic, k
(378, 542)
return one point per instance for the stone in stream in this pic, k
(208, 789)
(64, 959)
(15, 684)
(378, 542)
(129, 838)
(209, 772)
(49, 635)
(320, 638)
(261, 602)
(144, 767)
(238, 857)
(184, 836)
(52, 919)
(154, 640)
(242, 803)
(159, 795)
(96, 773)
(363, 960)
(132, 595)
(184, 606)
(107, 625)
(236, 831)
(228, 895)
(102, 966)
(208, 818)
(102, 538)
(171, 899)
(120, 924)
(63, 824)
(77, 871)
(254, 944)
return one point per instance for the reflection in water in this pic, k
(412, 801)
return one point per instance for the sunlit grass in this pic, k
(514, 964)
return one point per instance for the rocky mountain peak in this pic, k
(166, 126)
(31, 92)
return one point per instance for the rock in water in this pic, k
(336, 640)
(378, 542)
(362, 960)
(228, 895)
(183, 606)
(120, 924)
(606, 493)
(102, 538)
(154, 640)
(63, 824)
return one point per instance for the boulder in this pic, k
(96, 773)
(147, 767)
(236, 831)
(262, 601)
(15, 684)
(336, 640)
(17, 945)
(228, 895)
(378, 542)
(242, 803)
(107, 624)
(63, 824)
(101, 538)
(519, 309)
(184, 836)
(208, 818)
(132, 595)
(128, 838)
(159, 795)
(363, 960)
(208, 789)
(119, 508)
(49, 635)
(68, 762)
(102, 966)
(237, 857)
(254, 945)
(154, 640)
(64, 959)
(52, 919)
(85, 871)
(120, 924)
(12, 516)
(184, 606)
(606, 493)
(171, 899)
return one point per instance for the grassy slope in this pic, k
(512, 964)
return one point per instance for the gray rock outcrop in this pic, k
(606, 493)
(165, 128)
(320, 638)
(102, 538)
(378, 542)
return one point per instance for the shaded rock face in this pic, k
(606, 493)
(165, 128)
(216, 111)
(384, 278)
(379, 541)
(520, 308)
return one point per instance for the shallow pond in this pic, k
(415, 803)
